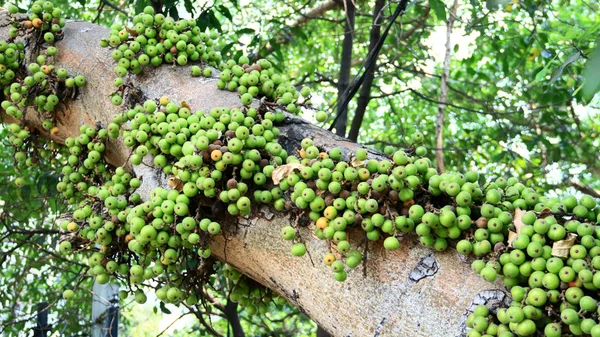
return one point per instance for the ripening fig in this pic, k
(298, 249)
(391, 243)
(68, 294)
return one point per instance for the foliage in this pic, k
(31, 268)
(518, 72)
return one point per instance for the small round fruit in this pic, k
(288, 233)
(391, 243)
(298, 249)
(68, 294)
(246, 99)
(321, 116)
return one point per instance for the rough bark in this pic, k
(345, 65)
(409, 292)
(439, 130)
(365, 90)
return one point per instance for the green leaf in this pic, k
(237, 55)
(225, 11)
(543, 37)
(572, 33)
(578, 89)
(226, 48)
(497, 157)
(42, 183)
(174, 13)
(542, 73)
(204, 19)
(558, 71)
(438, 8)
(24, 192)
(591, 84)
(140, 5)
(277, 53)
(216, 24)
(189, 7)
(245, 31)
(299, 32)
(52, 204)
(163, 308)
(207, 19)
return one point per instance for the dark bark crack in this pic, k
(426, 267)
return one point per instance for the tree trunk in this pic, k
(345, 65)
(365, 90)
(234, 319)
(409, 292)
(439, 127)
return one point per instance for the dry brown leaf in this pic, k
(253, 67)
(546, 212)
(518, 219)
(511, 237)
(561, 248)
(281, 172)
(185, 104)
(175, 183)
(131, 31)
(357, 163)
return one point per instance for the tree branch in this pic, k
(109, 4)
(584, 189)
(230, 312)
(365, 90)
(205, 324)
(234, 319)
(311, 14)
(358, 80)
(174, 321)
(431, 100)
(345, 65)
(316, 12)
(320, 78)
(5, 255)
(439, 127)
(407, 34)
